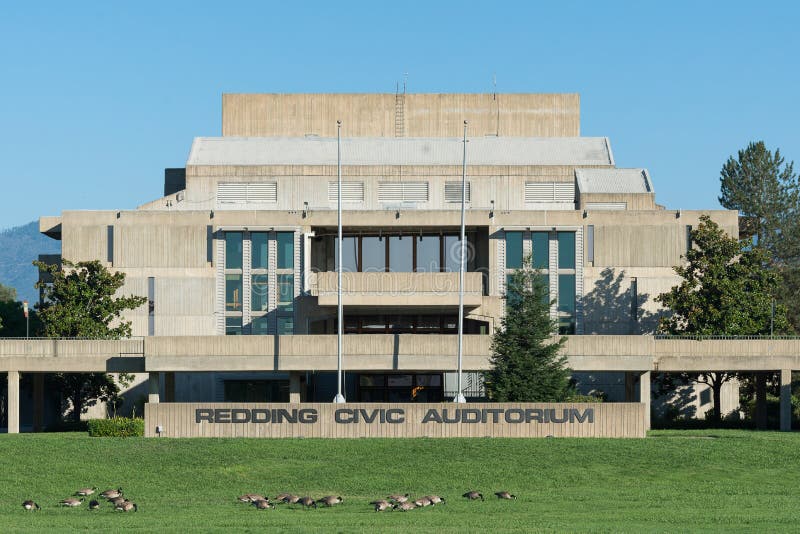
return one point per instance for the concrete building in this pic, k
(237, 258)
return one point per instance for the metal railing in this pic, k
(692, 337)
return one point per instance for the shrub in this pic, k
(585, 398)
(116, 427)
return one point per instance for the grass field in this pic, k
(671, 481)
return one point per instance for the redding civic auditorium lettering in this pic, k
(307, 416)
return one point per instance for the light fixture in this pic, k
(211, 215)
(678, 214)
(305, 209)
(585, 214)
(491, 210)
(397, 214)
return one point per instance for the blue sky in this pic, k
(97, 98)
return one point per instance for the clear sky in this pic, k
(97, 98)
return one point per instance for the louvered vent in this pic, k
(452, 192)
(403, 192)
(549, 192)
(606, 206)
(351, 192)
(244, 193)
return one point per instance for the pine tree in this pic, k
(526, 364)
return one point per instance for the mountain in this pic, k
(19, 246)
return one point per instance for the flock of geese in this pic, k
(113, 496)
(402, 502)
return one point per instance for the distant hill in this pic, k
(19, 246)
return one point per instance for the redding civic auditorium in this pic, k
(238, 259)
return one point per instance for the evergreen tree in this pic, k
(526, 364)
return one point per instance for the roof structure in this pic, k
(614, 181)
(400, 151)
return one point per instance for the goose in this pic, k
(126, 506)
(30, 505)
(405, 506)
(282, 496)
(473, 495)
(94, 505)
(251, 497)
(291, 499)
(263, 505)
(307, 502)
(422, 502)
(112, 493)
(85, 492)
(382, 505)
(72, 503)
(505, 495)
(330, 500)
(435, 499)
(398, 497)
(117, 500)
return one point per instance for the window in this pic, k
(233, 250)
(590, 243)
(259, 293)
(566, 250)
(349, 254)
(428, 254)
(259, 326)
(233, 292)
(566, 303)
(401, 254)
(373, 254)
(541, 250)
(285, 326)
(259, 250)
(285, 250)
(256, 390)
(452, 253)
(400, 388)
(285, 292)
(513, 250)
(233, 326)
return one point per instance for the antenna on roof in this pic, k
(494, 83)
(405, 82)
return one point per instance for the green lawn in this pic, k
(671, 481)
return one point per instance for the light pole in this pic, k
(459, 398)
(339, 398)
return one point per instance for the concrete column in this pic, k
(154, 385)
(13, 402)
(761, 401)
(169, 387)
(786, 400)
(294, 387)
(38, 402)
(630, 386)
(644, 397)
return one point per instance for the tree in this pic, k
(80, 302)
(526, 364)
(727, 289)
(7, 294)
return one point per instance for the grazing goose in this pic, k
(112, 493)
(398, 497)
(72, 503)
(85, 492)
(94, 505)
(291, 499)
(117, 500)
(505, 495)
(382, 505)
(330, 500)
(405, 506)
(422, 502)
(307, 502)
(435, 499)
(473, 495)
(263, 505)
(30, 505)
(126, 506)
(251, 497)
(282, 496)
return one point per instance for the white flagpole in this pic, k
(340, 309)
(462, 267)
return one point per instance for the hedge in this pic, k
(116, 427)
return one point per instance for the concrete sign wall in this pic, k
(371, 420)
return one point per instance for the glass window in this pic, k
(259, 250)
(373, 324)
(285, 292)
(371, 380)
(258, 293)
(373, 254)
(259, 325)
(566, 293)
(512, 294)
(349, 254)
(452, 253)
(285, 250)
(401, 254)
(566, 250)
(285, 326)
(400, 324)
(546, 296)
(513, 250)
(541, 250)
(233, 326)
(394, 381)
(428, 260)
(233, 250)
(233, 292)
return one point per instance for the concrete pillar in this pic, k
(154, 386)
(294, 387)
(13, 402)
(644, 397)
(786, 400)
(630, 386)
(38, 402)
(761, 401)
(169, 387)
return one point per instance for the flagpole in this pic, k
(459, 398)
(340, 309)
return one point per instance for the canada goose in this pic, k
(94, 505)
(30, 505)
(330, 500)
(382, 505)
(252, 497)
(435, 499)
(263, 505)
(405, 506)
(72, 503)
(473, 495)
(126, 506)
(398, 498)
(307, 502)
(112, 493)
(282, 496)
(85, 492)
(291, 499)
(422, 502)
(505, 495)
(117, 500)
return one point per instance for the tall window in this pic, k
(400, 253)
(234, 296)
